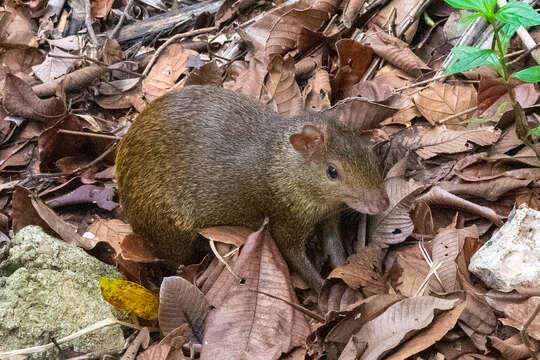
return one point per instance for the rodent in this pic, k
(203, 156)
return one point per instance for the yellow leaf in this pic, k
(130, 296)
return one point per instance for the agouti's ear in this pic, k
(308, 140)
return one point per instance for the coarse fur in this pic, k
(204, 156)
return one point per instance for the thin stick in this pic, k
(95, 61)
(88, 23)
(86, 330)
(172, 39)
(116, 29)
(422, 82)
(464, 112)
(82, 133)
(302, 309)
(222, 260)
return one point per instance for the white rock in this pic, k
(511, 258)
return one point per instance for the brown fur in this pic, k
(203, 156)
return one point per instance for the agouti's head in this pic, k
(341, 168)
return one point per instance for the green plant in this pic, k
(504, 22)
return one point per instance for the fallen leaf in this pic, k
(131, 297)
(180, 302)
(516, 315)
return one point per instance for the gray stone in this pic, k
(49, 288)
(511, 258)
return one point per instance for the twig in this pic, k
(88, 22)
(116, 29)
(523, 55)
(97, 62)
(525, 337)
(82, 133)
(86, 330)
(420, 83)
(464, 112)
(90, 164)
(222, 260)
(302, 309)
(172, 39)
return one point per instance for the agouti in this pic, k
(204, 156)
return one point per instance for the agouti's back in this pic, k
(204, 156)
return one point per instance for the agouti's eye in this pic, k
(332, 172)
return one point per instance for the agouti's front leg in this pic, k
(292, 247)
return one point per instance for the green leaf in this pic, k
(518, 13)
(489, 6)
(506, 32)
(467, 19)
(535, 131)
(476, 121)
(466, 4)
(470, 57)
(531, 74)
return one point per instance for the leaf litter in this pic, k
(455, 170)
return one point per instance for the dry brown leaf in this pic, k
(399, 322)
(19, 100)
(100, 8)
(352, 9)
(395, 51)
(248, 78)
(511, 348)
(354, 60)
(248, 309)
(508, 141)
(438, 196)
(29, 210)
(490, 190)
(440, 100)
(318, 91)
(422, 219)
(478, 316)
(171, 64)
(516, 315)
(208, 74)
(440, 140)
(21, 60)
(75, 80)
(286, 30)
(15, 29)
(281, 86)
(359, 114)
(234, 235)
(429, 336)
(181, 302)
(363, 271)
(446, 247)
(394, 225)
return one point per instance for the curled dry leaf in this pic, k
(441, 100)
(75, 80)
(395, 51)
(102, 196)
(516, 315)
(281, 86)
(446, 247)
(208, 74)
(479, 318)
(438, 196)
(181, 302)
(430, 143)
(490, 190)
(394, 225)
(399, 322)
(234, 235)
(286, 31)
(170, 65)
(29, 210)
(364, 270)
(248, 308)
(511, 348)
(18, 99)
(354, 60)
(21, 60)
